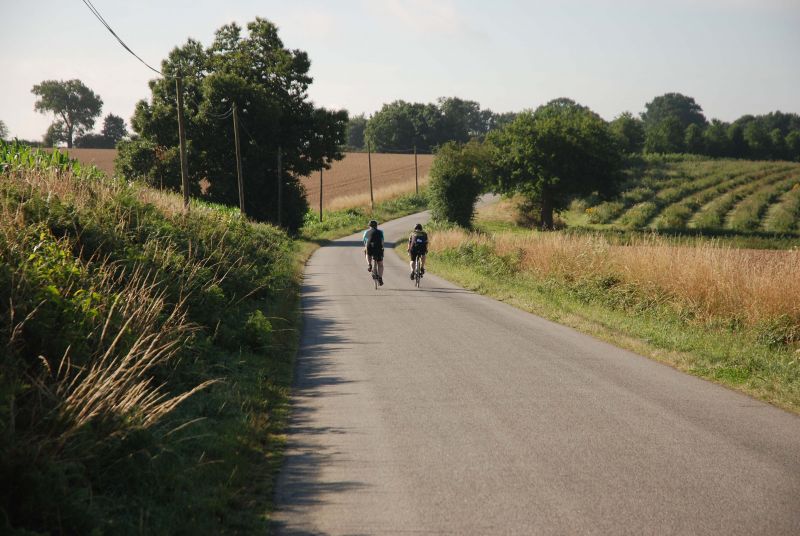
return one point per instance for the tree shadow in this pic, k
(298, 484)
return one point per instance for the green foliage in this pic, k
(3, 130)
(457, 174)
(400, 125)
(356, 127)
(270, 84)
(74, 106)
(89, 272)
(560, 151)
(628, 131)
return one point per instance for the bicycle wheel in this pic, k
(417, 272)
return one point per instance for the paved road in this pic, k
(439, 411)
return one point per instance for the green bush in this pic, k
(455, 184)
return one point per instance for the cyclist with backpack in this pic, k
(373, 249)
(418, 247)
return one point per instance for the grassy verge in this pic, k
(750, 344)
(343, 222)
(146, 356)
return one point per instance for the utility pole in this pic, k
(280, 185)
(369, 163)
(182, 140)
(238, 159)
(320, 195)
(416, 172)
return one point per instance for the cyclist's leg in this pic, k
(411, 263)
(379, 263)
(422, 261)
(369, 259)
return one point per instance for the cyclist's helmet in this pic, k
(418, 227)
(373, 224)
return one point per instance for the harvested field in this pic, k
(346, 184)
(102, 158)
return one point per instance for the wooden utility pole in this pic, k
(280, 185)
(369, 163)
(320, 195)
(416, 172)
(182, 140)
(239, 180)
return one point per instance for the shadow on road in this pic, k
(299, 484)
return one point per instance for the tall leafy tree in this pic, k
(401, 125)
(792, 143)
(693, 139)
(3, 130)
(560, 151)
(666, 119)
(356, 127)
(463, 120)
(114, 128)
(629, 132)
(74, 106)
(715, 139)
(270, 84)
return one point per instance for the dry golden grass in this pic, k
(346, 184)
(711, 280)
(102, 158)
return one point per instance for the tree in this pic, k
(463, 120)
(693, 139)
(560, 151)
(792, 143)
(3, 130)
(666, 136)
(457, 174)
(269, 83)
(684, 108)
(715, 139)
(402, 125)
(74, 105)
(629, 132)
(355, 131)
(666, 119)
(114, 129)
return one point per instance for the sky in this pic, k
(734, 57)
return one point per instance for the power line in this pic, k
(99, 17)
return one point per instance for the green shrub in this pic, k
(455, 183)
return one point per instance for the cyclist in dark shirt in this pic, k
(373, 249)
(418, 247)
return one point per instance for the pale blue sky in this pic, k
(733, 56)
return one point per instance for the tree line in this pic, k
(671, 123)
(675, 123)
(403, 126)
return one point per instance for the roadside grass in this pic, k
(338, 223)
(728, 315)
(147, 358)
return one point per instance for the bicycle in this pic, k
(375, 277)
(417, 271)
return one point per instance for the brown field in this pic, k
(346, 184)
(102, 158)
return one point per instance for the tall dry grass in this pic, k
(709, 279)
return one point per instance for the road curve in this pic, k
(439, 411)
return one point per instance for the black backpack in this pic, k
(420, 240)
(373, 239)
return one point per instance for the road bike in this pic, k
(417, 270)
(375, 277)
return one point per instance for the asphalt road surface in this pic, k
(439, 411)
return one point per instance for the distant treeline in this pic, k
(403, 126)
(671, 123)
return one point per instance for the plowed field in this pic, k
(347, 182)
(102, 158)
